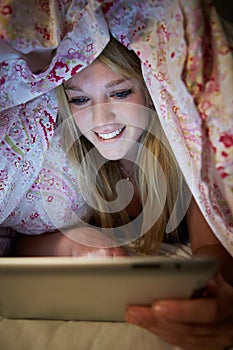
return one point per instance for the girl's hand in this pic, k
(85, 241)
(80, 241)
(196, 324)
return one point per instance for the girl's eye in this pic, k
(122, 94)
(79, 101)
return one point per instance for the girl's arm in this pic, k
(204, 242)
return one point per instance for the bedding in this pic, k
(71, 335)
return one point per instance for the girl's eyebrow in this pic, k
(112, 83)
(115, 82)
(73, 87)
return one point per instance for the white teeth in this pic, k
(111, 134)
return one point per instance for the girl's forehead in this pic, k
(97, 73)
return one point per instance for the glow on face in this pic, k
(107, 109)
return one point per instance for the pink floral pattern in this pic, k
(187, 65)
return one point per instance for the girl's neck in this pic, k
(128, 163)
(126, 166)
(127, 169)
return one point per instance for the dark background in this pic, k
(225, 8)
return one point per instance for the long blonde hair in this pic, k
(153, 141)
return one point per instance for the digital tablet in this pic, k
(95, 289)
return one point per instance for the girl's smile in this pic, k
(110, 135)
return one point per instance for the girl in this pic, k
(114, 134)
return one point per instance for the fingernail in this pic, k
(159, 308)
(133, 317)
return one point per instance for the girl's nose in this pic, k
(103, 113)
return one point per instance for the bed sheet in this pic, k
(75, 335)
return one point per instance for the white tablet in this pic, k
(95, 289)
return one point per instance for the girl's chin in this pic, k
(120, 152)
(112, 156)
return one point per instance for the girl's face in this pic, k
(108, 110)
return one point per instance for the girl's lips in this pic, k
(110, 135)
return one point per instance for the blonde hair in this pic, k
(153, 141)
